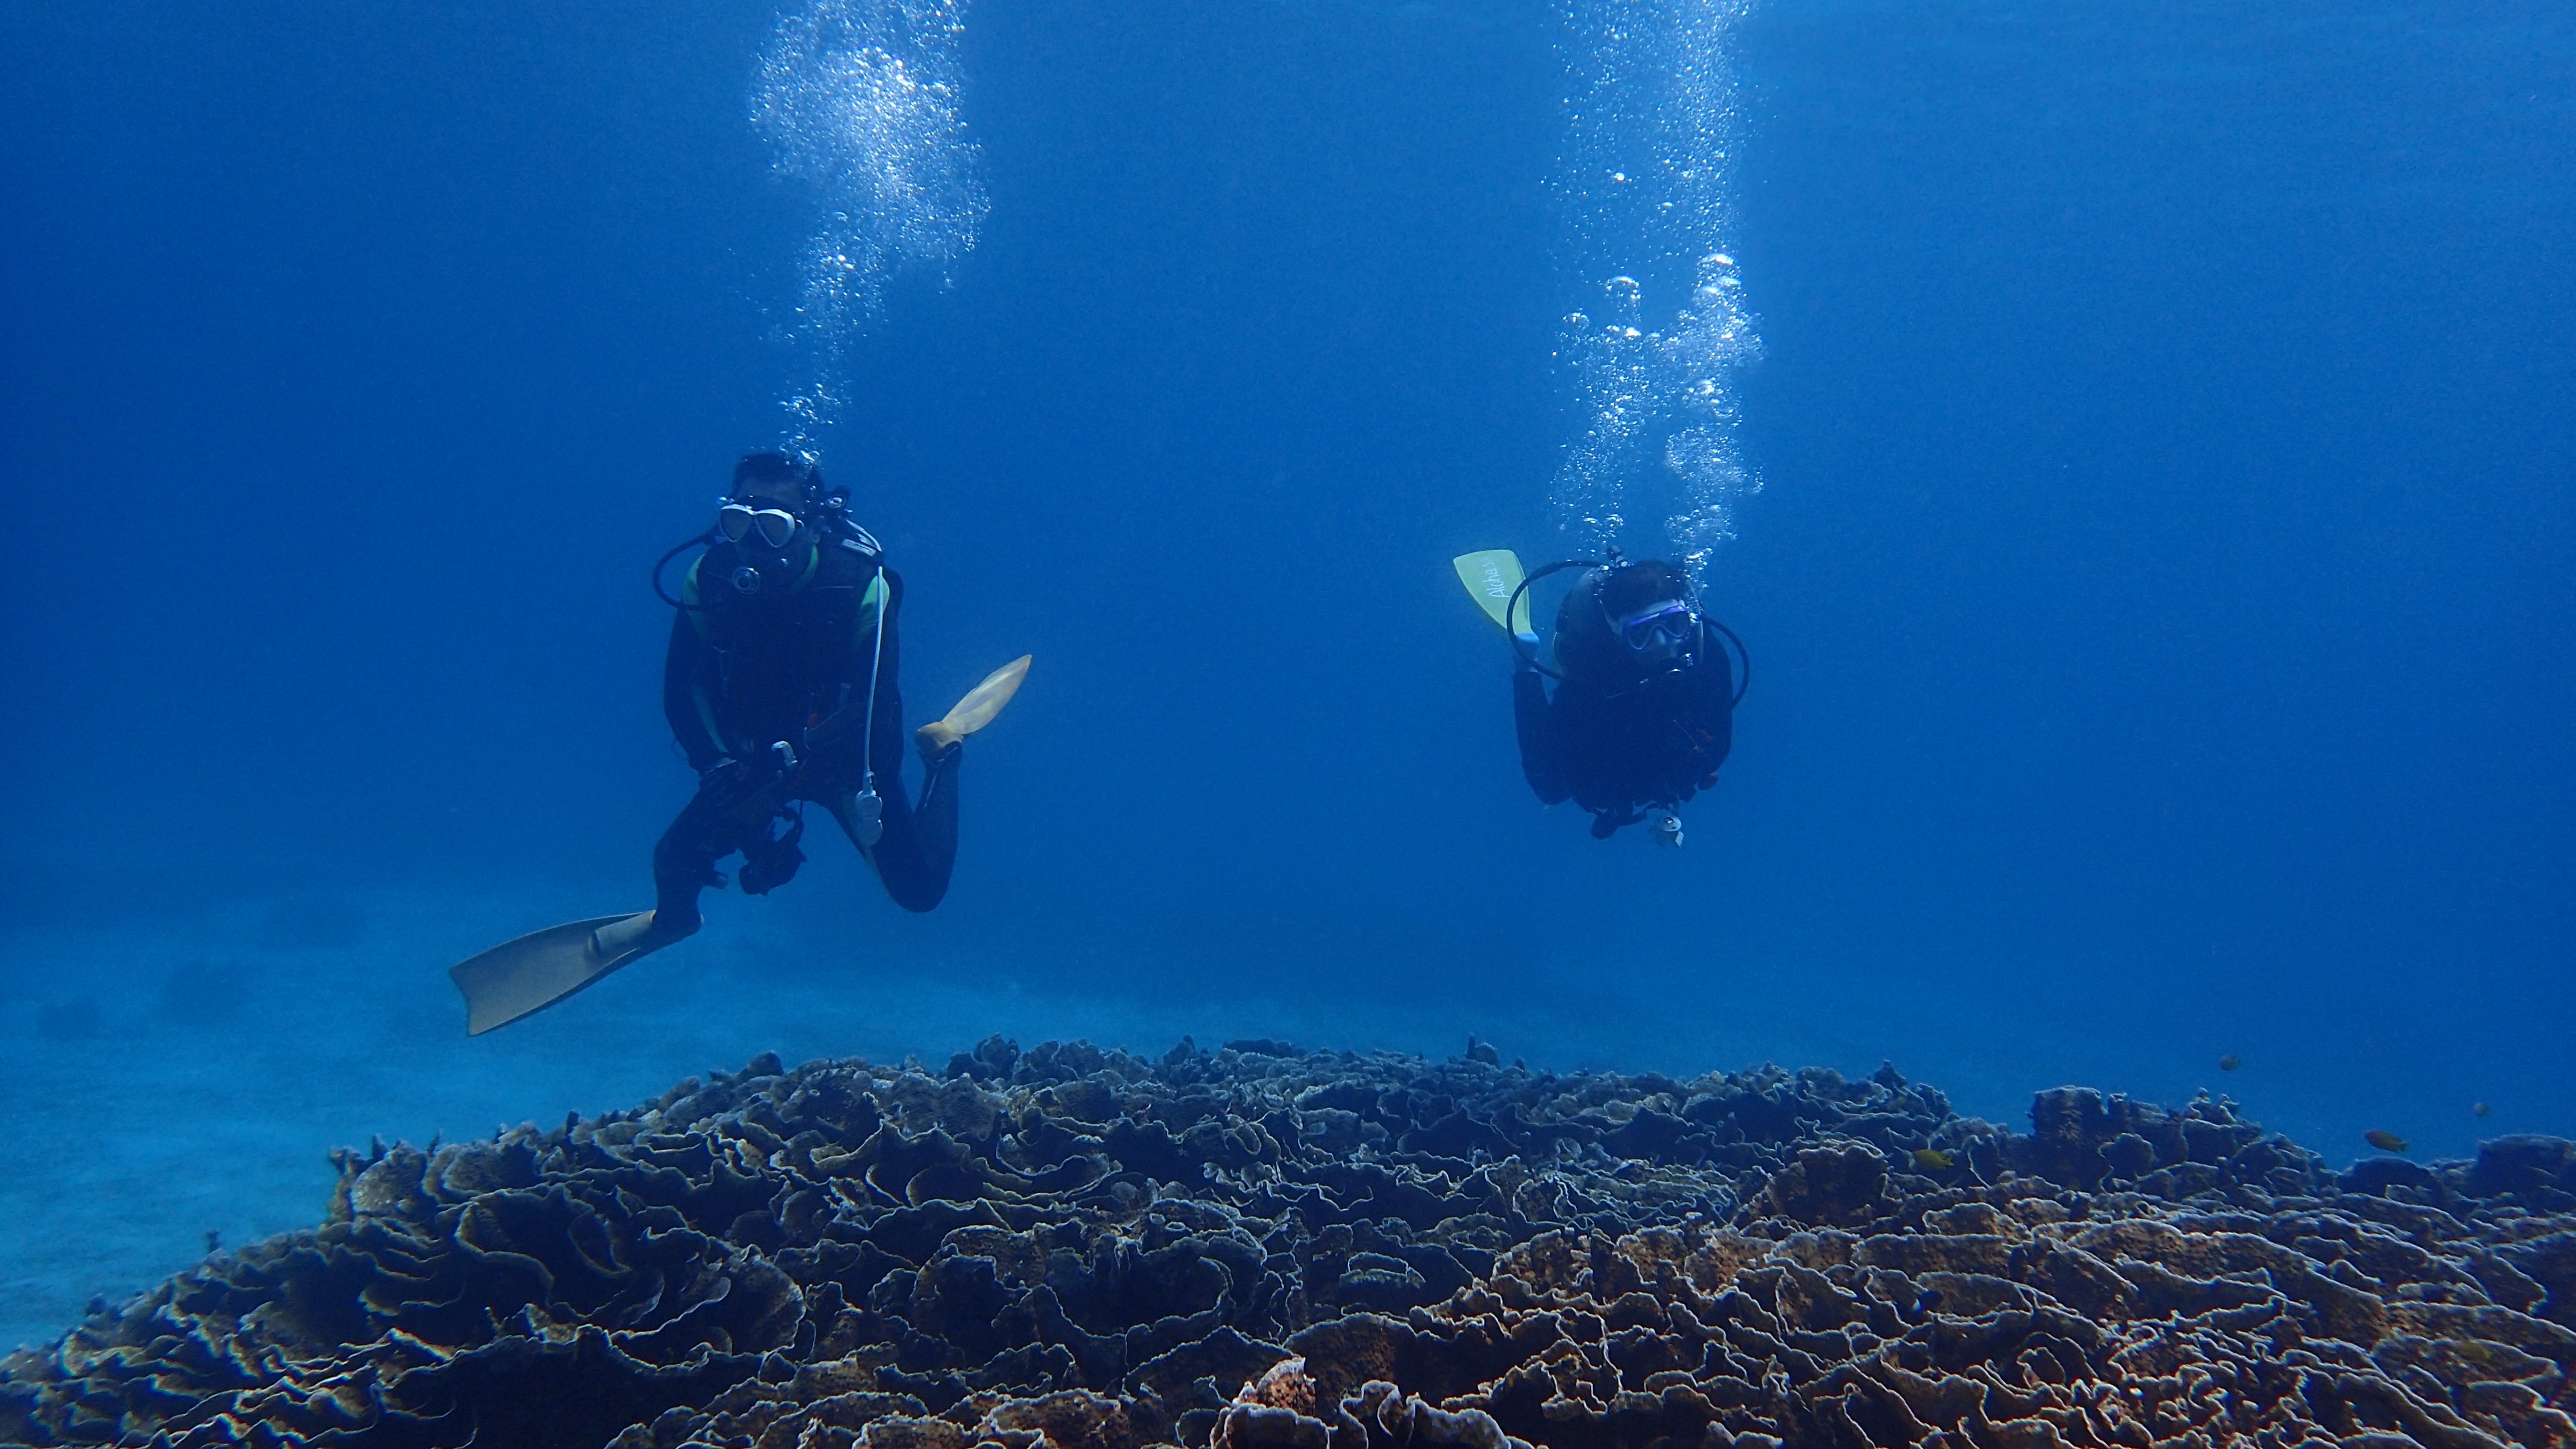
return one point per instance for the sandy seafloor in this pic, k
(187, 1077)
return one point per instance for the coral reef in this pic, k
(1261, 1248)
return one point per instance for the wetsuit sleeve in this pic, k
(690, 688)
(1540, 762)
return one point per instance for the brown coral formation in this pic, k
(1258, 1248)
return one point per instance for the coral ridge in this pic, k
(1262, 1248)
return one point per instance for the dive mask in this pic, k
(738, 521)
(1661, 632)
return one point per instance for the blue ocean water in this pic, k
(2147, 460)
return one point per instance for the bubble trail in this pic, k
(860, 98)
(1642, 185)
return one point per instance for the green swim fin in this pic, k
(1491, 577)
(537, 970)
(979, 708)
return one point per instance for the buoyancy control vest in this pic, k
(786, 654)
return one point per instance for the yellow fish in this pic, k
(2384, 1141)
(1933, 1159)
(2230, 1062)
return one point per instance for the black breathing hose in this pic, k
(1529, 655)
(1744, 676)
(707, 538)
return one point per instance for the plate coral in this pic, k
(1263, 1248)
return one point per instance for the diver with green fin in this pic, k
(1644, 707)
(780, 684)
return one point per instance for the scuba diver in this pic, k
(1644, 708)
(780, 686)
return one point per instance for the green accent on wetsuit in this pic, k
(869, 602)
(693, 598)
(697, 616)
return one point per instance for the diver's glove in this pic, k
(769, 862)
(727, 783)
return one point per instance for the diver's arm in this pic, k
(1539, 762)
(1705, 727)
(1717, 709)
(689, 690)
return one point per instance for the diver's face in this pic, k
(1660, 634)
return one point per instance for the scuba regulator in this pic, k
(764, 539)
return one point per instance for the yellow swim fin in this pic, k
(1491, 577)
(537, 970)
(979, 708)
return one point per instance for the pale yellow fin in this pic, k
(984, 702)
(537, 970)
(1491, 577)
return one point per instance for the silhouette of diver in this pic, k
(780, 684)
(1644, 707)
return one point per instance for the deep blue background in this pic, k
(2160, 603)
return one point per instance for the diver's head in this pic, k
(773, 482)
(1629, 619)
(767, 517)
(1653, 613)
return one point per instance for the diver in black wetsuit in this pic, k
(1644, 709)
(780, 685)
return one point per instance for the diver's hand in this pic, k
(725, 782)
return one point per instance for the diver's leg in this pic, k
(683, 865)
(684, 860)
(918, 851)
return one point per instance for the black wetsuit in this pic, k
(749, 670)
(1621, 748)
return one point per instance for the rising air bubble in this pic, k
(1652, 108)
(859, 99)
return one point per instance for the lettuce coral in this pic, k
(1260, 1248)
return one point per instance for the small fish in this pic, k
(2384, 1141)
(1933, 1159)
(2479, 1109)
(2230, 1062)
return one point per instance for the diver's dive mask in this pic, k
(760, 532)
(737, 521)
(1666, 632)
